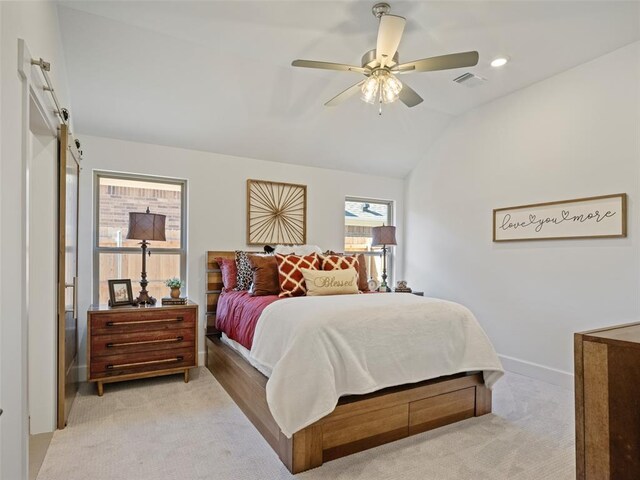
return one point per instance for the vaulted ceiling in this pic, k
(216, 76)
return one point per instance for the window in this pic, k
(116, 257)
(360, 216)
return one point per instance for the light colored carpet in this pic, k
(161, 428)
(38, 445)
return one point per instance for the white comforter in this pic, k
(320, 348)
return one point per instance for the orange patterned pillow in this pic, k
(291, 279)
(341, 262)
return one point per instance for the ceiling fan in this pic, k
(380, 65)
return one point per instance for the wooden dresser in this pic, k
(137, 342)
(607, 376)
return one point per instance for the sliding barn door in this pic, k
(69, 170)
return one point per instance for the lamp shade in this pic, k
(146, 226)
(385, 235)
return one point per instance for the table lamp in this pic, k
(383, 236)
(146, 226)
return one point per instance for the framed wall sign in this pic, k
(593, 217)
(276, 213)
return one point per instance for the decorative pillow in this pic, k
(337, 261)
(229, 273)
(363, 283)
(289, 273)
(245, 274)
(330, 282)
(265, 275)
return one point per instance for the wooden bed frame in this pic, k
(359, 422)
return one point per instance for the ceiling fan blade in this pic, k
(389, 35)
(443, 62)
(329, 66)
(404, 68)
(408, 96)
(342, 96)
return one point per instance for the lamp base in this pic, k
(144, 298)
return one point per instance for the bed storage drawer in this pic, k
(434, 412)
(344, 436)
(348, 435)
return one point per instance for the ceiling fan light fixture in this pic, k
(381, 86)
(370, 89)
(391, 87)
(380, 63)
(499, 62)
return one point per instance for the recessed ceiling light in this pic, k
(499, 61)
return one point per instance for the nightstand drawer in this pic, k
(126, 364)
(136, 321)
(119, 343)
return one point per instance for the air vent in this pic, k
(470, 80)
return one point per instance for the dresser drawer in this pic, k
(139, 362)
(140, 320)
(119, 343)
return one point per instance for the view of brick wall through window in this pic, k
(117, 197)
(359, 218)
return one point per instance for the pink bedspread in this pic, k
(237, 314)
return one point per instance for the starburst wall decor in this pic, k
(276, 213)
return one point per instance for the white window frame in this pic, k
(389, 221)
(98, 250)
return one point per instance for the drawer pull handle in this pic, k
(150, 362)
(145, 342)
(137, 322)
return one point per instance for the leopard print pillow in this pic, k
(245, 274)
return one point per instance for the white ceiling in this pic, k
(216, 76)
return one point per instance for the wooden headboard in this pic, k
(213, 287)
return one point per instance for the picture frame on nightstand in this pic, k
(120, 293)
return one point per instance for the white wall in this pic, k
(574, 135)
(43, 279)
(2, 449)
(217, 203)
(37, 23)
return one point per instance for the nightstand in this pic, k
(126, 343)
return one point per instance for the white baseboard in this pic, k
(537, 371)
